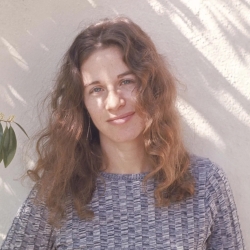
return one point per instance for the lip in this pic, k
(121, 118)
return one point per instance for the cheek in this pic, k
(93, 105)
(132, 96)
(95, 113)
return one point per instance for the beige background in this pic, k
(206, 42)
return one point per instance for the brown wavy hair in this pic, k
(69, 161)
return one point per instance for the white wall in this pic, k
(206, 42)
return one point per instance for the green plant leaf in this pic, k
(1, 156)
(1, 129)
(6, 135)
(1, 144)
(9, 146)
(5, 143)
(21, 128)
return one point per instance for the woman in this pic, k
(113, 172)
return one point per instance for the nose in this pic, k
(114, 100)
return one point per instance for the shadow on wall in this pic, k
(207, 80)
(230, 19)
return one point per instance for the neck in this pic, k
(125, 158)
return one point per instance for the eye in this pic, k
(127, 81)
(95, 90)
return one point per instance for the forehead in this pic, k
(103, 63)
(102, 54)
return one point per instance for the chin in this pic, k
(127, 138)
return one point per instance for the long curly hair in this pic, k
(69, 161)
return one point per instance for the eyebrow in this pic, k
(92, 83)
(129, 72)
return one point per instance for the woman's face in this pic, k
(109, 96)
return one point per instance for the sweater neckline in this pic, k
(112, 176)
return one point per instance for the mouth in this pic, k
(121, 118)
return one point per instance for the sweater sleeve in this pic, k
(225, 232)
(29, 229)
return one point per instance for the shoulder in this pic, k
(214, 192)
(30, 226)
(31, 204)
(203, 169)
(210, 179)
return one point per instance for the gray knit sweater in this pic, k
(126, 217)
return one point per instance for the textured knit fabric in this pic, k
(126, 217)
